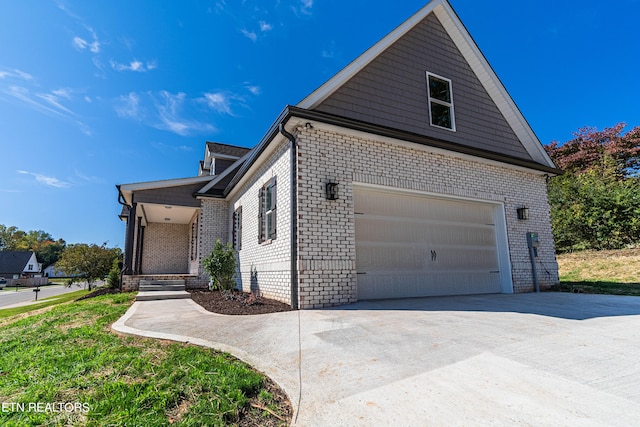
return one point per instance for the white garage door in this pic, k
(410, 245)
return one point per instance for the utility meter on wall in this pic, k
(533, 242)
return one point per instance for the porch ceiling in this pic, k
(169, 214)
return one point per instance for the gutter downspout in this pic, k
(294, 215)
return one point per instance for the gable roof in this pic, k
(473, 57)
(225, 149)
(14, 262)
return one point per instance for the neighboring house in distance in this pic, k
(401, 176)
(18, 264)
(52, 271)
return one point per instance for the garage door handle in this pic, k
(434, 255)
(360, 272)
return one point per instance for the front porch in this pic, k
(162, 241)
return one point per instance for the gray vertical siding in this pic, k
(392, 91)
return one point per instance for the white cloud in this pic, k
(134, 65)
(173, 112)
(304, 7)
(264, 26)
(130, 106)
(169, 114)
(218, 102)
(255, 90)
(250, 35)
(63, 92)
(54, 101)
(49, 103)
(47, 180)
(15, 74)
(81, 44)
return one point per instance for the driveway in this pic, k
(501, 360)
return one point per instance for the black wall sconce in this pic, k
(331, 190)
(523, 213)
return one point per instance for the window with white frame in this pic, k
(237, 229)
(267, 215)
(440, 102)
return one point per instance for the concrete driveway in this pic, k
(526, 359)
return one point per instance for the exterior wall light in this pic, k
(331, 190)
(523, 213)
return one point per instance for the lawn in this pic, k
(62, 365)
(44, 302)
(614, 272)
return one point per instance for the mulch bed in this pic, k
(237, 303)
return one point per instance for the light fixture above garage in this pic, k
(523, 213)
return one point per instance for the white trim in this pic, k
(438, 101)
(215, 155)
(150, 185)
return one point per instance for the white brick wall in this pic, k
(213, 224)
(326, 228)
(265, 267)
(166, 249)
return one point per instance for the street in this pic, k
(10, 298)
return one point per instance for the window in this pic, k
(30, 267)
(440, 102)
(267, 216)
(237, 229)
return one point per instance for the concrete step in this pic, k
(162, 295)
(160, 287)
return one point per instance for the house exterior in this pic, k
(401, 176)
(19, 264)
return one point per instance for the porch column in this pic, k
(128, 243)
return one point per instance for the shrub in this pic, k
(220, 265)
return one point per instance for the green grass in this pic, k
(615, 272)
(42, 303)
(68, 354)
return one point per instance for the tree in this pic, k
(220, 265)
(87, 262)
(596, 203)
(590, 148)
(10, 238)
(46, 248)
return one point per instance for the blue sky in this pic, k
(94, 94)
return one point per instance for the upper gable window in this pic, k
(440, 102)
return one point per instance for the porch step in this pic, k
(161, 285)
(162, 295)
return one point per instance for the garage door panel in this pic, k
(403, 285)
(382, 203)
(386, 229)
(414, 245)
(392, 256)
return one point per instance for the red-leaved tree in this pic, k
(591, 147)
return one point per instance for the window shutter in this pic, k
(239, 230)
(261, 215)
(273, 208)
